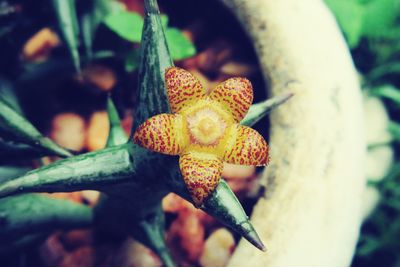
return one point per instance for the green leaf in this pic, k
(388, 91)
(68, 24)
(180, 47)
(381, 70)
(164, 21)
(7, 94)
(349, 15)
(127, 25)
(379, 17)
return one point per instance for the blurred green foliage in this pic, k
(366, 18)
(79, 21)
(68, 22)
(372, 30)
(128, 25)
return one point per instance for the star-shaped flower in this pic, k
(204, 130)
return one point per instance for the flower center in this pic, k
(206, 126)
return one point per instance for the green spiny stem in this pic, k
(61, 176)
(35, 213)
(116, 135)
(105, 170)
(225, 207)
(17, 128)
(155, 58)
(150, 231)
(68, 24)
(138, 214)
(87, 171)
(148, 228)
(152, 100)
(222, 205)
(259, 110)
(137, 209)
(151, 7)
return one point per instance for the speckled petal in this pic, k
(249, 148)
(183, 88)
(161, 134)
(235, 95)
(201, 173)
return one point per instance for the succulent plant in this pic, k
(132, 179)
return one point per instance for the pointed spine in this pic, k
(155, 58)
(94, 170)
(260, 110)
(225, 207)
(116, 136)
(15, 127)
(34, 213)
(150, 232)
(68, 24)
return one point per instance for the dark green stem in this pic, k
(222, 205)
(83, 172)
(68, 24)
(151, 6)
(17, 128)
(155, 58)
(136, 211)
(260, 110)
(33, 213)
(150, 232)
(117, 135)
(226, 208)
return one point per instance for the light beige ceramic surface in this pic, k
(311, 211)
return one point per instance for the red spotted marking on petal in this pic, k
(201, 174)
(159, 134)
(250, 148)
(235, 95)
(182, 88)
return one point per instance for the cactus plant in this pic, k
(132, 179)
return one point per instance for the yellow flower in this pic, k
(204, 130)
